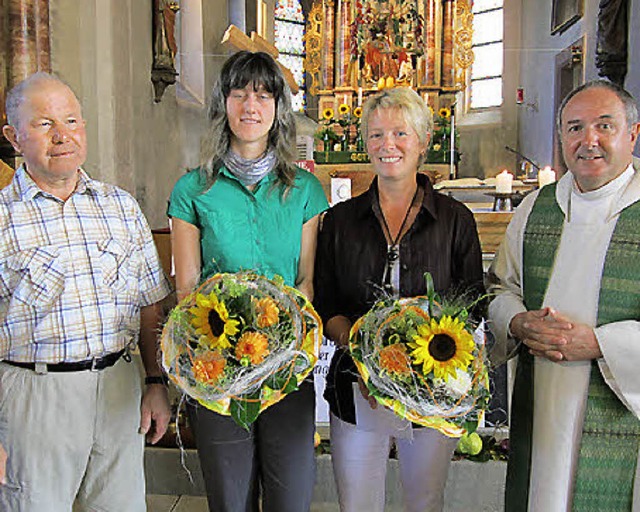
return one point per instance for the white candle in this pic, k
(546, 176)
(359, 96)
(504, 183)
(452, 149)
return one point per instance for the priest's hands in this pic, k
(553, 336)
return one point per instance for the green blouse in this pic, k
(244, 230)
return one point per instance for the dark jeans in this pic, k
(275, 457)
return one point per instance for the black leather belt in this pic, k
(97, 363)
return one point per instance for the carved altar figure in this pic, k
(165, 48)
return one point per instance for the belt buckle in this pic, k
(94, 362)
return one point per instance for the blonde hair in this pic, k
(414, 110)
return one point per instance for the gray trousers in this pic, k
(274, 459)
(73, 437)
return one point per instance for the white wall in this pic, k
(537, 69)
(103, 49)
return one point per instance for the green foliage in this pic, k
(245, 410)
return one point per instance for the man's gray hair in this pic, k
(628, 101)
(16, 95)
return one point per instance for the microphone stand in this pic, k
(535, 165)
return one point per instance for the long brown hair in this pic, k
(260, 70)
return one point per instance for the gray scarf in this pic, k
(250, 172)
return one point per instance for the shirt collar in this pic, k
(29, 190)
(628, 195)
(428, 198)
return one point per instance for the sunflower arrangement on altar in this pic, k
(419, 357)
(348, 145)
(240, 343)
(440, 150)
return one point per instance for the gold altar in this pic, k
(356, 47)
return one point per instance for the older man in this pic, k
(80, 281)
(568, 302)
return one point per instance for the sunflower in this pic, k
(267, 312)
(442, 347)
(394, 360)
(209, 367)
(444, 113)
(211, 320)
(430, 109)
(344, 109)
(252, 348)
(327, 114)
(357, 112)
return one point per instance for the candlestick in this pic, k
(452, 165)
(504, 183)
(546, 176)
(359, 96)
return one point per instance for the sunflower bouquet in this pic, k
(418, 357)
(240, 343)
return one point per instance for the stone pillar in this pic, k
(344, 18)
(431, 47)
(328, 45)
(28, 38)
(448, 69)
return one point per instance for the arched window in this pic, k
(488, 35)
(289, 32)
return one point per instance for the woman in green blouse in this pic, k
(248, 207)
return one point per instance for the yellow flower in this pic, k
(444, 112)
(344, 109)
(357, 112)
(327, 114)
(430, 109)
(211, 320)
(209, 367)
(252, 348)
(442, 347)
(394, 359)
(267, 312)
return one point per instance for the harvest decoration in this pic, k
(240, 343)
(440, 150)
(418, 357)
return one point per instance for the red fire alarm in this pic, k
(520, 95)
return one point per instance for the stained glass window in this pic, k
(289, 31)
(486, 73)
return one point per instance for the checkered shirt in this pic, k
(73, 274)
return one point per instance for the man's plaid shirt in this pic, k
(73, 274)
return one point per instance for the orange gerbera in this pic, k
(394, 359)
(252, 348)
(209, 367)
(267, 312)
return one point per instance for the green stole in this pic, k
(611, 433)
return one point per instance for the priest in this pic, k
(566, 282)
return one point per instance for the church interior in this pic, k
(493, 72)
